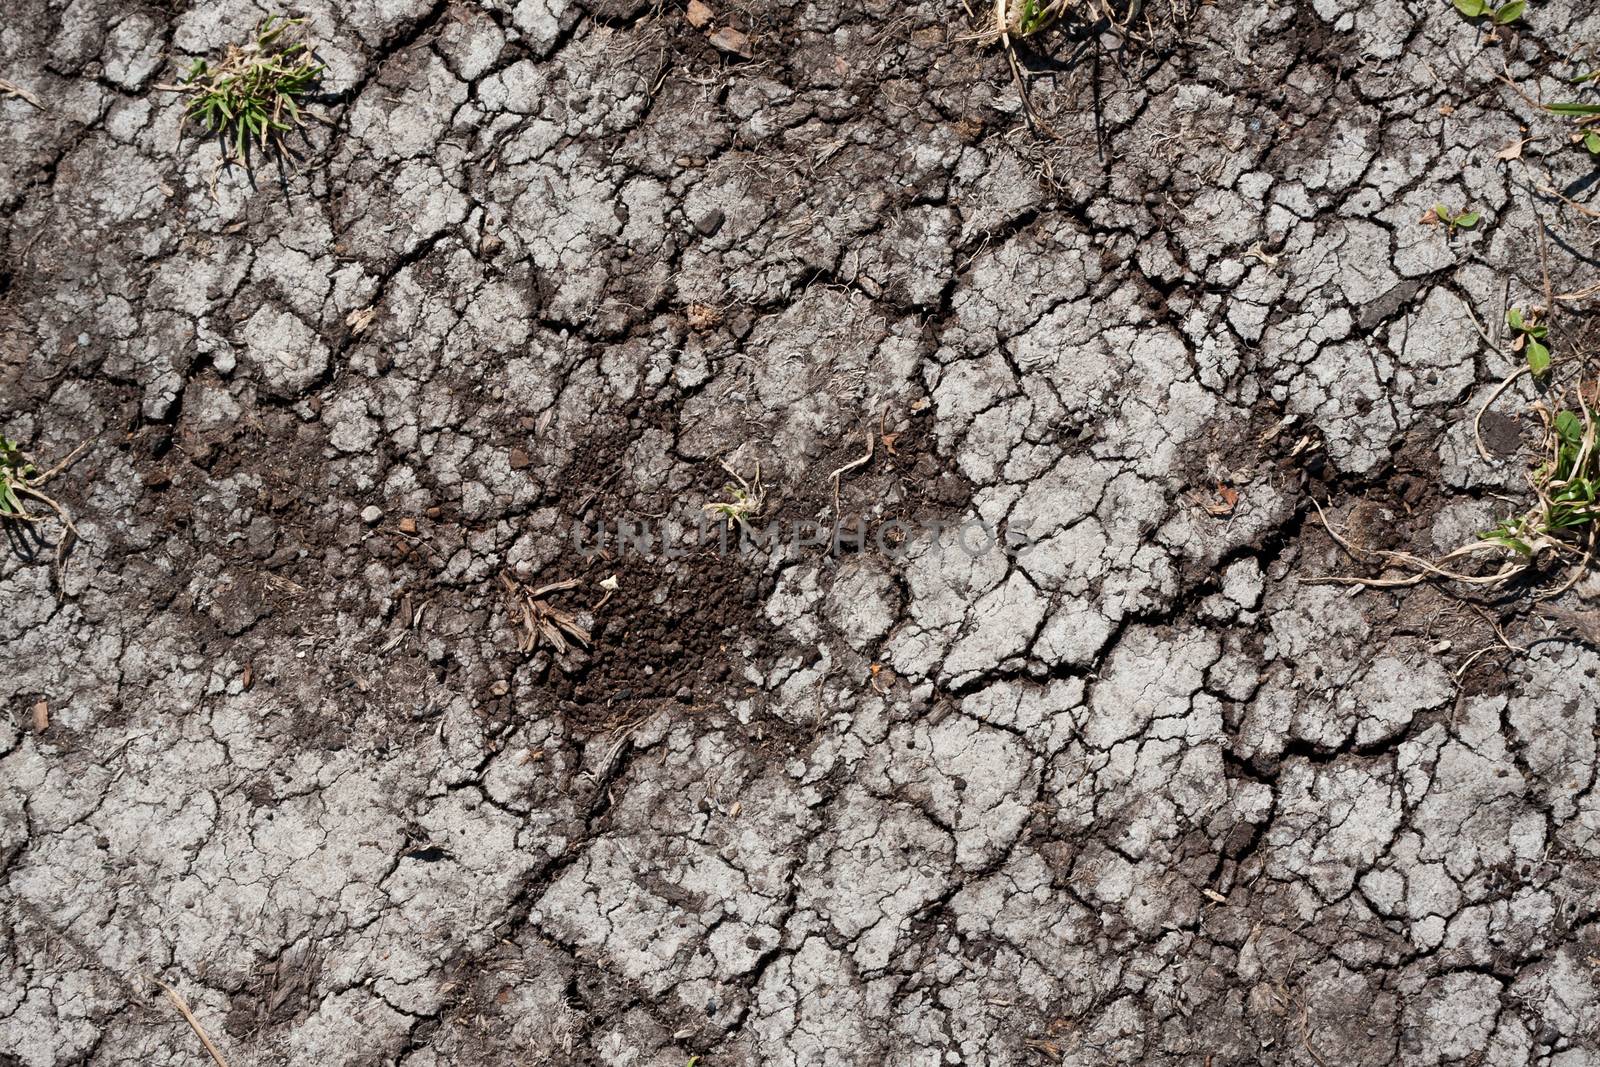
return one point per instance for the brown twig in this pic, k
(542, 621)
(848, 467)
(1426, 569)
(205, 1039)
(11, 88)
(29, 487)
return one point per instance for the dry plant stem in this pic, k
(1001, 24)
(1563, 521)
(555, 587)
(10, 88)
(542, 621)
(1473, 315)
(1585, 450)
(30, 488)
(1470, 660)
(1580, 294)
(1305, 1034)
(1499, 632)
(1577, 574)
(852, 465)
(1426, 568)
(205, 1039)
(1582, 209)
(71, 458)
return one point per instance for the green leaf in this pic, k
(1569, 428)
(1472, 8)
(1510, 13)
(1538, 357)
(1573, 109)
(1505, 535)
(1514, 319)
(1591, 141)
(1468, 220)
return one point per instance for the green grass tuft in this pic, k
(15, 472)
(251, 96)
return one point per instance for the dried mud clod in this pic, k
(1127, 791)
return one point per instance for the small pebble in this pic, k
(731, 41)
(710, 222)
(371, 514)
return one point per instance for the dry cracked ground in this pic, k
(1119, 786)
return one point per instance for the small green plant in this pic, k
(1032, 19)
(745, 500)
(20, 481)
(1025, 18)
(1503, 15)
(1562, 522)
(250, 96)
(1566, 488)
(1453, 221)
(15, 471)
(1529, 338)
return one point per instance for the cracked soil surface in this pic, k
(1128, 792)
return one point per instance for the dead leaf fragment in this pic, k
(361, 318)
(698, 14)
(247, 678)
(703, 317)
(1222, 504)
(1512, 150)
(731, 41)
(539, 620)
(41, 717)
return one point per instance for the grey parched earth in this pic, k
(1140, 794)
